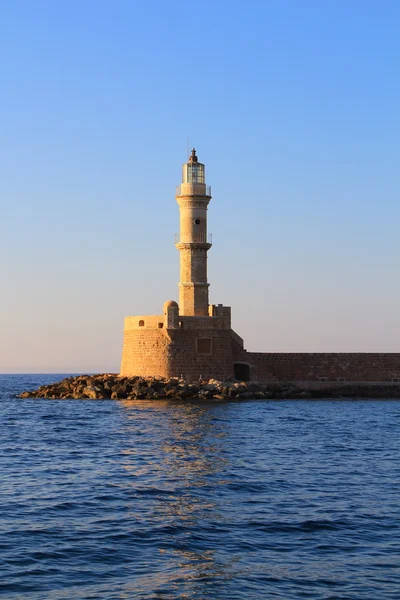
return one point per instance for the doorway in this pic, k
(242, 371)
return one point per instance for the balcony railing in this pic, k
(195, 238)
(179, 191)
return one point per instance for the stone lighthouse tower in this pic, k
(193, 242)
(191, 339)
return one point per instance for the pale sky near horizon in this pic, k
(294, 108)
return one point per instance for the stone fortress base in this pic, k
(193, 348)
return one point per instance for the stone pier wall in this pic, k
(207, 347)
(322, 367)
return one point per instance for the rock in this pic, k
(108, 385)
(140, 393)
(232, 392)
(159, 387)
(220, 397)
(211, 387)
(255, 387)
(170, 391)
(302, 395)
(78, 391)
(93, 391)
(246, 395)
(240, 387)
(120, 390)
(187, 394)
(204, 393)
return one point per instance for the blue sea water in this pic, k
(177, 500)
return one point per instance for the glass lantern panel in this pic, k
(193, 173)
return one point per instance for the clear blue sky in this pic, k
(294, 108)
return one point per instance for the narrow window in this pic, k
(160, 325)
(141, 323)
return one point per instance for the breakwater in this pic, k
(111, 386)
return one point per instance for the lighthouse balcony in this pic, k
(193, 189)
(194, 238)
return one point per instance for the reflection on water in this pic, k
(191, 442)
(191, 456)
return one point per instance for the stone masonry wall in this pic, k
(334, 367)
(186, 359)
(207, 347)
(200, 347)
(145, 352)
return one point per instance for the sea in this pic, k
(114, 499)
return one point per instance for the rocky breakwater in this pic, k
(149, 388)
(108, 386)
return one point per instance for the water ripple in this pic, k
(198, 501)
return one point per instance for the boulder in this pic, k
(232, 392)
(194, 388)
(171, 391)
(205, 393)
(159, 386)
(240, 387)
(213, 387)
(121, 390)
(93, 391)
(220, 397)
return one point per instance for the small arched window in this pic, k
(141, 323)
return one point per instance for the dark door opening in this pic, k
(241, 371)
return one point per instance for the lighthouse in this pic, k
(193, 241)
(190, 338)
(194, 340)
